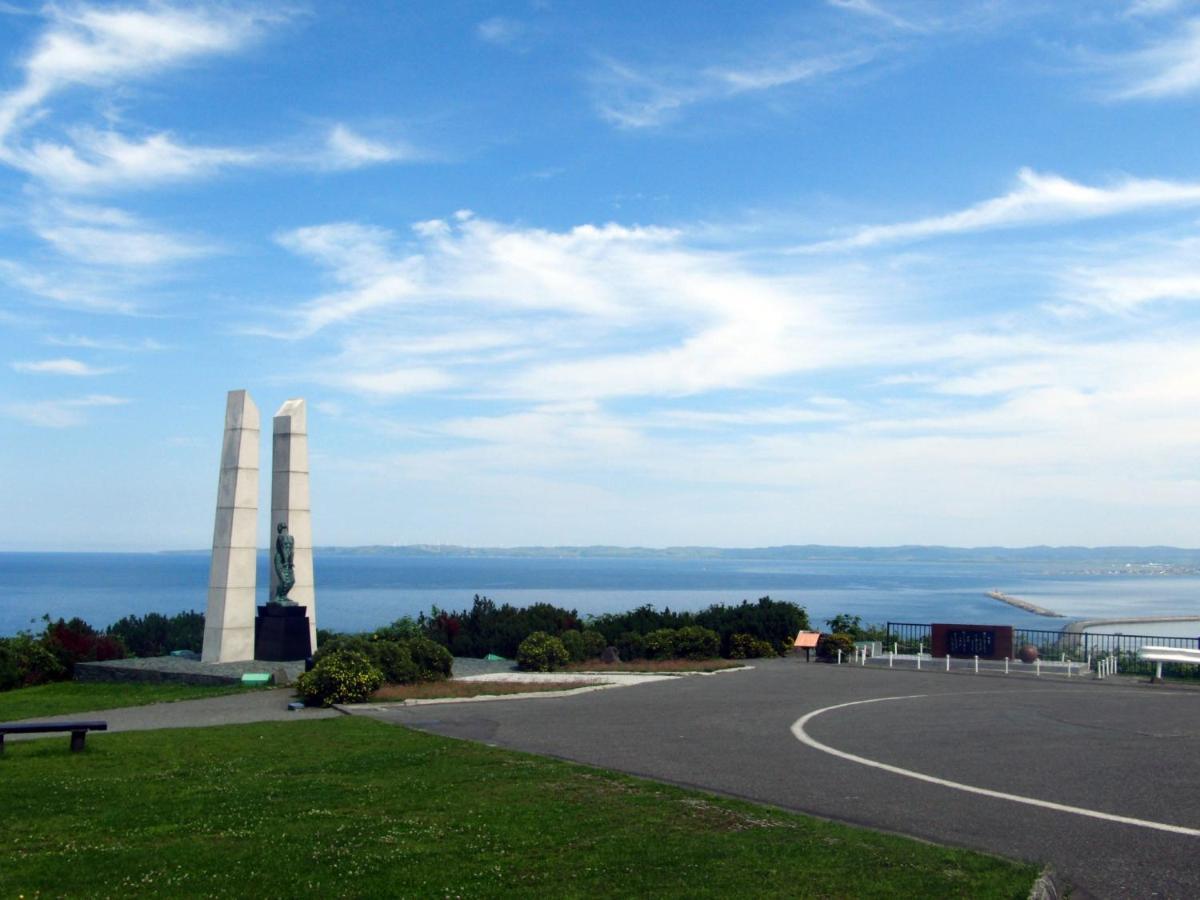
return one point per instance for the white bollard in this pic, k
(918, 662)
(1006, 665)
(977, 665)
(892, 659)
(1069, 669)
(1039, 667)
(839, 657)
(947, 662)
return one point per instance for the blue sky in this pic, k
(845, 272)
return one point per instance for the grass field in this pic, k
(64, 697)
(353, 807)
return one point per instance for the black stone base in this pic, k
(281, 633)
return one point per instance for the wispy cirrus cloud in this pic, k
(564, 310)
(1038, 199)
(98, 46)
(105, 236)
(1169, 67)
(61, 366)
(60, 413)
(630, 96)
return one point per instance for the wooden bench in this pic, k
(1160, 655)
(78, 730)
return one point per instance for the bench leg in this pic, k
(77, 740)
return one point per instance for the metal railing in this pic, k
(1074, 646)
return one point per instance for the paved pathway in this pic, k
(1123, 752)
(231, 709)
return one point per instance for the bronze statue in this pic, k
(285, 572)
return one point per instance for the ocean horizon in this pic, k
(361, 591)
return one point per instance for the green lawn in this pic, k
(65, 697)
(353, 807)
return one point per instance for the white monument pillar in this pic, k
(290, 503)
(229, 621)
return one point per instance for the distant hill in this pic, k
(1107, 556)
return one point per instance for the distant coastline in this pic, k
(1114, 560)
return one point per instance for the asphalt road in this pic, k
(1113, 750)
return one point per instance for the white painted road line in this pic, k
(805, 738)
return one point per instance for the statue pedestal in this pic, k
(281, 633)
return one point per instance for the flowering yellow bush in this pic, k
(342, 677)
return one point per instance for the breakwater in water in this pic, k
(1025, 605)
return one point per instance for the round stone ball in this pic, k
(1027, 654)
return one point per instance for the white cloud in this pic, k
(89, 291)
(105, 236)
(61, 366)
(632, 98)
(563, 310)
(1126, 282)
(348, 150)
(1169, 68)
(67, 413)
(1038, 199)
(501, 30)
(107, 160)
(875, 11)
(90, 343)
(97, 46)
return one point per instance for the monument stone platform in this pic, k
(181, 671)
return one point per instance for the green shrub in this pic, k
(26, 661)
(659, 644)
(394, 660)
(747, 646)
(696, 642)
(573, 642)
(341, 677)
(76, 641)
(828, 645)
(400, 661)
(630, 645)
(403, 629)
(541, 652)
(156, 635)
(593, 643)
(433, 661)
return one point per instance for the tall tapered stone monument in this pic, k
(229, 621)
(290, 504)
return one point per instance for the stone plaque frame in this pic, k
(967, 641)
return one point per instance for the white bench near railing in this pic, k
(1160, 655)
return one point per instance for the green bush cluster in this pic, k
(828, 645)
(343, 676)
(157, 635)
(487, 628)
(583, 645)
(747, 646)
(27, 659)
(541, 652)
(773, 621)
(399, 661)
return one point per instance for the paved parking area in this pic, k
(1098, 779)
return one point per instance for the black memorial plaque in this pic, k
(984, 641)
(281, 633)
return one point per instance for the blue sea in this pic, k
(361, 592)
